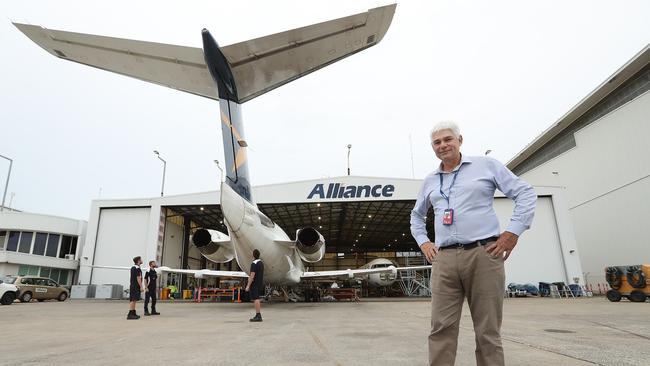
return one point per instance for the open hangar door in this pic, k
(178, 251)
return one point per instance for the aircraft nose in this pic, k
(232, 206)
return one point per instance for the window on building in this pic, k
(63, 277)
(73, 246)
(25, 270)
(12, 243)
(55, 273)
(52, 245)
(39, 244)
(25, 241)
(65, 245)
(3, 238)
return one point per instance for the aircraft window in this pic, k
(265, 220)
(382, 265)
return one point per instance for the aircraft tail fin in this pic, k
(232, 127)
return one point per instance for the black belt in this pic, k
(471, 245)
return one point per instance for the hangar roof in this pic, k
(623, 74)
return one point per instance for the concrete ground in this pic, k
(535, 332)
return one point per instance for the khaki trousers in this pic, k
(474, 273)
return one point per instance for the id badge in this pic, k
(448, 216)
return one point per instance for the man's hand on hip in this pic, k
(504, 245)
(429, 250)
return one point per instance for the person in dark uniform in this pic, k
(135, 287)
(255, 284)
(150, 293)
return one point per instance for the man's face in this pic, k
(139, 262)
(153, 265)
(446, 145)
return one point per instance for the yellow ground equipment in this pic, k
(632, 282)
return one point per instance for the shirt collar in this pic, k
(257, 260)
(463, 159)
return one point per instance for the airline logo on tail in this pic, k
(338, 190)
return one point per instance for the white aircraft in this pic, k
(388, 278)
(233, 75)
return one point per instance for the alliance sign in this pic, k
(338, 190)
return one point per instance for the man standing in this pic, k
(135, 287)
(469, 251)
(151, 289)
(255, 284)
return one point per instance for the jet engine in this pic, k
(214, 245)
(310, 244)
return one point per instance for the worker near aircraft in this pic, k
(255, 286)
(150, 279)
(135, 287)
(469, 251)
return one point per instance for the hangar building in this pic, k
(360, 218)
(599, 152)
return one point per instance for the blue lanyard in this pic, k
(446, 197)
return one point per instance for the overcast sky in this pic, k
(505, 70)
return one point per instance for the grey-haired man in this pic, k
(467, 259)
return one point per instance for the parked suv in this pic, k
(8, 291)
(39, 288)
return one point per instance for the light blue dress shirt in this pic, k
(471, 198)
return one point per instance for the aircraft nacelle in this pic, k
(213, 245)
(310, 244)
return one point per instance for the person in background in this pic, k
(135, 287)
(151, 289)
(256, 284)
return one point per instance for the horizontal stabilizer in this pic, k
(258, 65)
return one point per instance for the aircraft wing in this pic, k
(350, 273)
(198, 273)
(259, 65)
(201, 273)
(413, 268)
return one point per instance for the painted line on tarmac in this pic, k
(541, 348)
(619, 329)
(322, 347)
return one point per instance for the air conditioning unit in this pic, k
(69, 256)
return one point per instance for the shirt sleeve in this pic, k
(419, 214)
(519, 191)
(253, 267)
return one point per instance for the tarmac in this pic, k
(536, 331)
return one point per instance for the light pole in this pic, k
(4, 195)
(349, 147)
(162, 189)
(220, 170)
